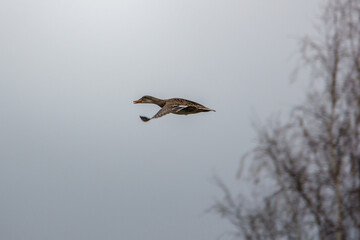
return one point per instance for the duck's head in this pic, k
(150, 99)
(146, 99)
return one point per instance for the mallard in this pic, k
(173, 105)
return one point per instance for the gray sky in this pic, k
(76, 162)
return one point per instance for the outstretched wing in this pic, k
(168, 108)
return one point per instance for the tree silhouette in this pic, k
(306, 172)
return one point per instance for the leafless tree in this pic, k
(306, 171)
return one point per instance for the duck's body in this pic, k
(173, 105)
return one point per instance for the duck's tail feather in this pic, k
(145, 119)
(208, 110)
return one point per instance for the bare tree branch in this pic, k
(307, 170)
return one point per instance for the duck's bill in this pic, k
(137, 101)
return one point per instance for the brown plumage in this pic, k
(173, 105)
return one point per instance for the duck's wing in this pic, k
(168, 108)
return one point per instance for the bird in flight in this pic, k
(172, 105)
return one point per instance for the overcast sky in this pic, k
(76, 162)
